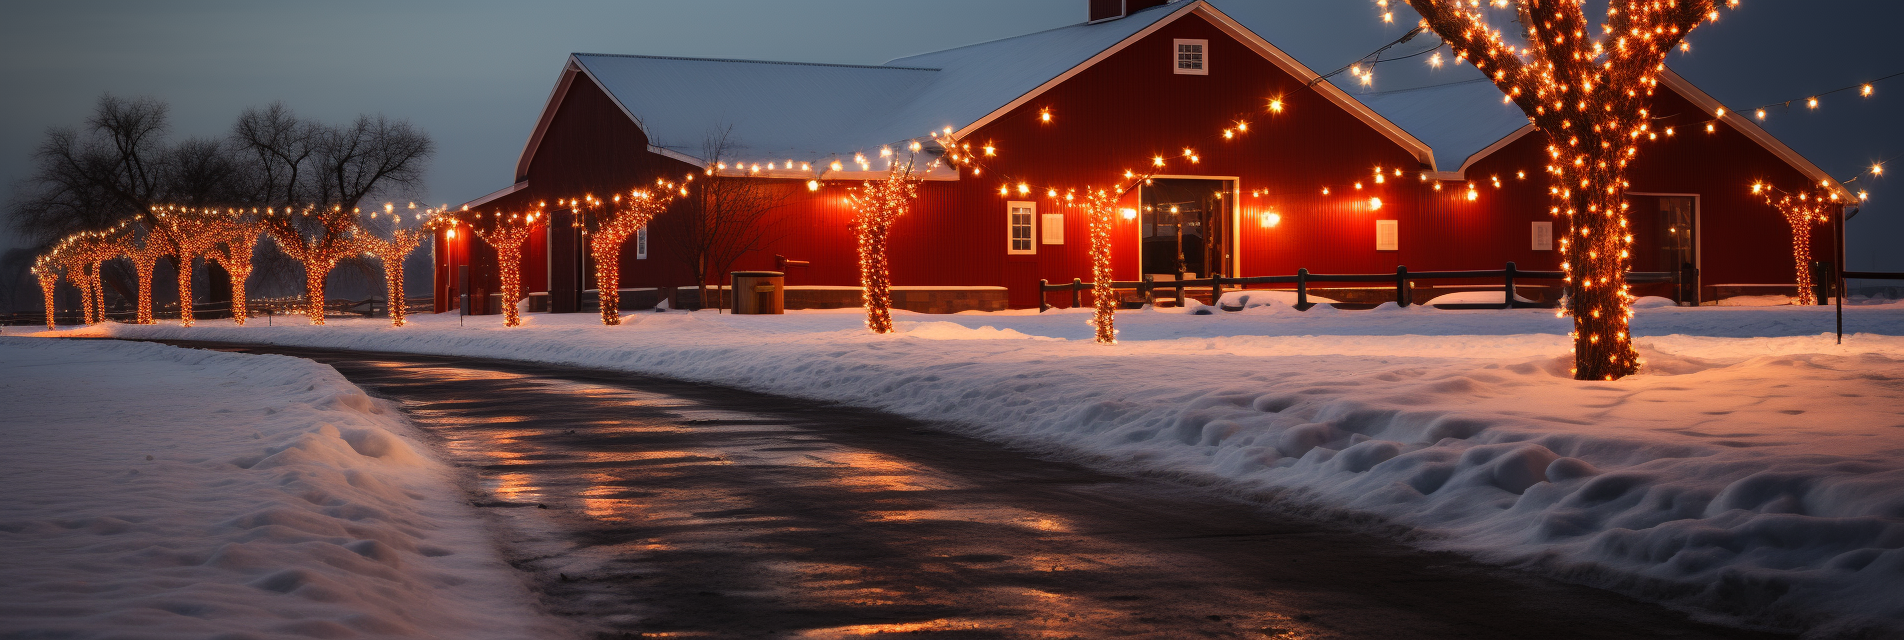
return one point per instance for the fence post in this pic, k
(1077, 293)
(1401, 285)
(1145, 288)
(1179, 288)
(1043, 304)
(1216, 290)
(1302, 289)
(1509, 278)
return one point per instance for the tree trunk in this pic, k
(144, 267)
(185, 291)
(1103, 317)
(239, 307)
(315, 272)
(1599, 258)
(48, 281)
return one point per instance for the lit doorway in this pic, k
(1184, 226)
(1666, 238)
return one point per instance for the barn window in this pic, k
(641, 243)
(1019, 217)
(1190, 57)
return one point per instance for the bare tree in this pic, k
(724, 217)
(314, 177)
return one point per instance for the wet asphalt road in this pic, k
(646, 507)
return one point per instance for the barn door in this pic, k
(1184, 226)
(1666, 238)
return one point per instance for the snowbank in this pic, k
(1755, 469)
(157, 492)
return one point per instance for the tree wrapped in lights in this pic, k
(1101, 212)
(878, 203)
(318, 238)
(47, 270)
(237, 241)
(391, 252)
(1802, 209)
(144, 250)
(192, 233)
(508, 235)
(86, 256)
(609, 224)
(1591, 97)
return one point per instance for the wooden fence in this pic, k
(1147, 288)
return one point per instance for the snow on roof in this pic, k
(809, 112)
(1455, 120)
(777, 109)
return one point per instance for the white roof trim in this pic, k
(1249, 38)
(1461, 173)
(664, 151)
(548, 114)
(497, 194)
(1751, 130)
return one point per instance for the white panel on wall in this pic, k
(1387, 235)
(1054, 228)
(1543, 236)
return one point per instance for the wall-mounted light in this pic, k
(1271, 219)
(1129, 214)
(1375, 204)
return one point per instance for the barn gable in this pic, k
(819, 113)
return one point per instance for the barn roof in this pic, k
(1457, 120)
(814, 112)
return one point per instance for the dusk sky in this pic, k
(475, 74)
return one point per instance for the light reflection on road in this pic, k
(658, 508)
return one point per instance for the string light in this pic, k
(878, 203)
(1591, 98)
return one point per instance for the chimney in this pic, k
(1102, 10)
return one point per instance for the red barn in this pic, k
(1269, 168)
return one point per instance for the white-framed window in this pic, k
(641, 243)
(1388, 236)
(1053, 233)
(1190, 56)
(1018, 221)
(1543, 236)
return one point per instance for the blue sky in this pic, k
(474, 74)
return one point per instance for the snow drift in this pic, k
(158, 492)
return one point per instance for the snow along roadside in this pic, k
(1756, 478)
(159, 492)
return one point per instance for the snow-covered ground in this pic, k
(158, 492)
(1755, 469)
